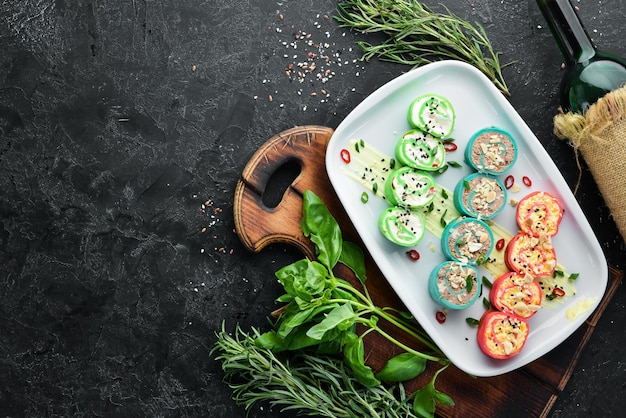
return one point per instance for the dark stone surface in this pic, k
(120, 119)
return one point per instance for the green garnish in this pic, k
(443, 169)
(469, 283)
(310, 384)
(321, 315)
(442, 220)
(472, 321)
(573, 276)
(454, 164)
(487, 283)
(416, 35)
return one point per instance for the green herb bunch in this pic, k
(310, 384)
(416, 35)
(321, 313)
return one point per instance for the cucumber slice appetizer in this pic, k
(420, 150)
(433, 114)
(410, 188)
(402, 226)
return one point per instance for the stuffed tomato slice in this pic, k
(532, 255)
(402, 226)
(516, 293)
(539, 214)
(501, 335)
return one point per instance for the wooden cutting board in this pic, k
(267, 210)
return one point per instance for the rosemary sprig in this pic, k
(309, 384)
(416, 35)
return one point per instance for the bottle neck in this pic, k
(567, 30)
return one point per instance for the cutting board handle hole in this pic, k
(279, 181)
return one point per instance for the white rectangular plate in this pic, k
(380, 120)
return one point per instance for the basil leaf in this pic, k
(290, 322)
(311, 280)
(268, 340)
(443, 399)
(424, 402)
(298, 339)
(319, 225)
(353, 352)
(288, 274)
(405, 366)
(427, 397)
(352, 256)
(342, 318)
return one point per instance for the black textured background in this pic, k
(125, 125)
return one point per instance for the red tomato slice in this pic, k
(501, 335)
(532, 255)
(539, 214)
(516, 293)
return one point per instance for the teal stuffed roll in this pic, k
(480, 196)
(454, 285)
(491, 151)
(467, 240)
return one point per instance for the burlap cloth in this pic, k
(600, 137)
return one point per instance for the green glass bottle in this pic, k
(589, 72)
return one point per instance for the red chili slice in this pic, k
(558, 292)
(509, 181)
(450, 146)
(500, 244)
(517, 294)
(345, 156)
(501, 335)
(413, 255)
(532, 255)
(539, 214)
(527, 181)
(440, 317)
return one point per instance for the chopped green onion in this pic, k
(487, 283)
(472, 321)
